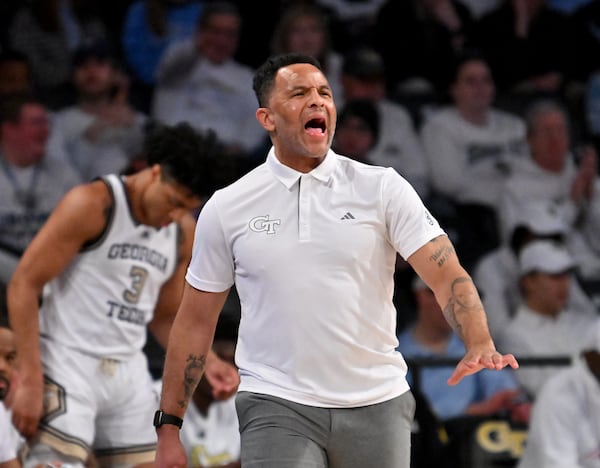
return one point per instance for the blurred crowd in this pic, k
(489, 108)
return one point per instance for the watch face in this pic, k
(158, 418)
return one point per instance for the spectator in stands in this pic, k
(550, 174)
(527, 56)
(150, 27)
(497, 272)
(10, 440)
(101, 132)
(470, 147)
(200, 82)
(484, 394)
(419, 41)
(564, 429)
(303, 28)
(544, 325)
(15, 73)
(398, 146)
(357, 130)
(47, 32)
(31, 181)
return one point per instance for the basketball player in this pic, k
(110, 261)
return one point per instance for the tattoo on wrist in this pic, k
(191, 376)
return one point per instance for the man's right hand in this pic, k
(27, 405)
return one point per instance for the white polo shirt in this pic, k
(313, 257)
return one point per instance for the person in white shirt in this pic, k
(544, 326)
(564, 430)
(200, 82)
(109, 263)
(551, 173)
(310, 240)
(471, 145)
(497, 272)
(102, 132)
(470, 148)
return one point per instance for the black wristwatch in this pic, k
(160, 418)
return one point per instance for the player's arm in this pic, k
(223, 376)
(171, 291)
(187, 355)
(79, 217)
(438, 265)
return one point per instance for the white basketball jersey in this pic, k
(102, 302)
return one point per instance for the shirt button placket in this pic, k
(304, 208)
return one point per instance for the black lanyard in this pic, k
(26, 197)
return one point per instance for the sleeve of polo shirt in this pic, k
(409, 224)
(211, 267)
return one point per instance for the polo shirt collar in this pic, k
(288, 176)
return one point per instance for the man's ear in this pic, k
(265, 118)
(156, 171)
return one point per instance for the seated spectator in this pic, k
(199, 82)
(150, 27)
(357, 130)
(31, 180)
(564, 430)
(47, 32)
(484, 394)
(15, 73)
(550, 174)
(471, 147)
(11, 442)
(101, 132)
(303, 28)
(497, 272)
(544, 325)
(398, 146)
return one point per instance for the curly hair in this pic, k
(190, 157)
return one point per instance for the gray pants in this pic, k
(277, 433)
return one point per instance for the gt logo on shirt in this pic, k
(264, 224)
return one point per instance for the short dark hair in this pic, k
(190, 157)
(11, 106)
(264, 77)
(470, 54)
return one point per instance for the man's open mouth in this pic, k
(316, 126)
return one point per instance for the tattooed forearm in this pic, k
(464, 300)
(191, 376)
(444, 251)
